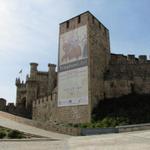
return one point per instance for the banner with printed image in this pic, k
(73, 87)
(73, 46)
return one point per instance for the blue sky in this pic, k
(29, 32)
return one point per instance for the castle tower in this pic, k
(31, 86)
(51, 77)
(33, 69)
(84, 55)
(18, 93)
(21, 94)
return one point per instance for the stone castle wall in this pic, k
(99, 57)
(120, 78)
(2, 104)
(45, 108)
(127, 74)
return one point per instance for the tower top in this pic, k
(51, 65)
(82, 14)
(33, 64)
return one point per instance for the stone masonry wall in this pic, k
(44, 109)
(127, 74)
(99, 57)
(2, 104)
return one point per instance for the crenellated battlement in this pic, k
(20, 84)
(43, 100)
(129, 59)
(44, 108)
(80, 20)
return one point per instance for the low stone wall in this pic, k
(96, 131)
(62, 129)
(118, 129)
(136, 127)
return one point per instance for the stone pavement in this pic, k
(52, 145)
(139, 140)
(122, 141)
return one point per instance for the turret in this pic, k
(17, 82)
(51, 77)
(51, 67)
(131, 59)
(21, 91)
(33, 69)
(142, 58)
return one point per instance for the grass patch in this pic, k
(104, 123)
(2, 134)
(14, 134)
(6, 133)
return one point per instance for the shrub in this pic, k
(76, 125)
(120, 121)
(14, 134)
(126, 107)
(2, 134)
(106, 123)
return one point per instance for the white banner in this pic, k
(73, 87)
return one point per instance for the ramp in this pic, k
(26, 125)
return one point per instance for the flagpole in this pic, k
(20, 75)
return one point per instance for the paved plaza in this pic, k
(123, 141)
(139, 140)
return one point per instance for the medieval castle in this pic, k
(87, 73)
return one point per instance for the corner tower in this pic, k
(84, 54)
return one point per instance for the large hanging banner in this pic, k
(73, 48)
(73, 87)
(72, 68)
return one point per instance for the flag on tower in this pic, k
(20, 71)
